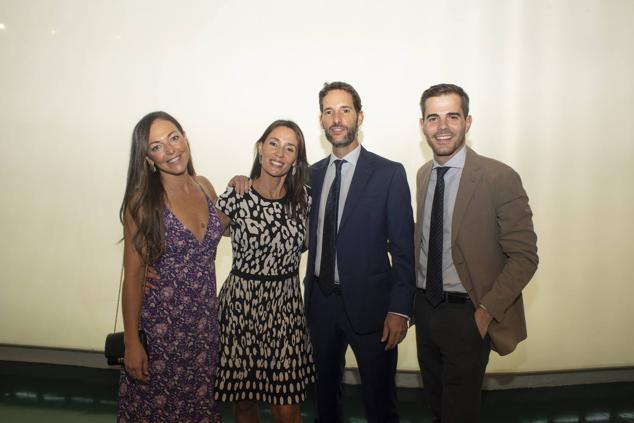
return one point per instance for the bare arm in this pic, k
(135, 359)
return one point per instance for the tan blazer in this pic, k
(494, 247)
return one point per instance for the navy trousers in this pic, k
(331, 334)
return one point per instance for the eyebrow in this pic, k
(339, 105)
(447, 114)
(167, 136)
(277, 139)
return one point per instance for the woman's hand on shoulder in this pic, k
(241, 184)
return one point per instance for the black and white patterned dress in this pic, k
(265, 351)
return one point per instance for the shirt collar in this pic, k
(456, 161)
(351, 157)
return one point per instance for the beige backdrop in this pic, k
(552, 95)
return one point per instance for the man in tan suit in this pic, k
(475, 252)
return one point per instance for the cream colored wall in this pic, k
(552, 95)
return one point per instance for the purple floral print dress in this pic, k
(180, 318)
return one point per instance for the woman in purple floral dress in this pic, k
(171, 224)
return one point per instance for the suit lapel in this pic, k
(468, 181)
(421, 195)
(317, 180)
(360, 179)
(316, 184)
(423, 186)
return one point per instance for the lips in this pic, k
(338, 129)
(443, 137)
(174, 159)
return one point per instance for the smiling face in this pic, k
(278, 151)
(167, 147)
(445, 126)
(340, 121)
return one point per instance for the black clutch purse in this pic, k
(114, 349)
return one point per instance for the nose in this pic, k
(442, 122)
(336, 117)
(169, 149)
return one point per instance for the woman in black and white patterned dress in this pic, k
(265, 351)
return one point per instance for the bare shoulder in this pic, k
(207, 187)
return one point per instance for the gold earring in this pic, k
(151, 165)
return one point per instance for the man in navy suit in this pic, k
(360, 280)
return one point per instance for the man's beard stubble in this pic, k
(351, 134)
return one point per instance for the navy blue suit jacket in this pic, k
(377, 219)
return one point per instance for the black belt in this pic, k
(267, 278)
(453, 297)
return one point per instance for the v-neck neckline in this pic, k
(193, 235)
(199, 241)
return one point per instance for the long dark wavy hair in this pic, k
(296, 198)
(144, 195)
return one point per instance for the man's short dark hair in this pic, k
(444, 89)
(338, 85)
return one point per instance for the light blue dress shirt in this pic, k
(450, 278)
(347, 171)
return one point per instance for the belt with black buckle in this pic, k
(453, 297)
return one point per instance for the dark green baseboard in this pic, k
(404, 379)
